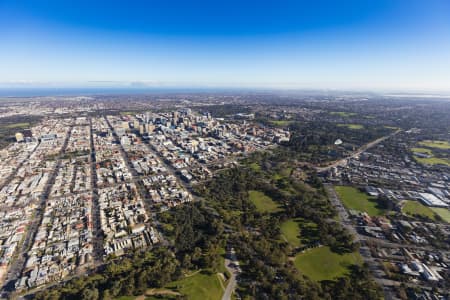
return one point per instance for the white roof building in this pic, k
(431, 200)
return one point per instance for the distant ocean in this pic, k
(36, 92)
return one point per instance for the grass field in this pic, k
(436, 144)
(443, 145)
(444, 213)
(285, 172)
(290, 230)
(342, 114)
(433, 161)
(351, 126)
(199, 286)
(125, 113)
(281, 122)
(262, 202)
(352, 198)
(417, 208)
(422, 150)
(322, 264)
(299, 232)
(18, 125)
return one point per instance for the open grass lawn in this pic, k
(285, 172)
(422, 150)
(299, 232)
(18, 125)
(433, 161)
(323, 264)
(160, 294)
(222, 269)
(262, 202)
(417, 208)
(290, 231)
(342, 114)
(125, 113)
(199, 286)
(391, 127)
(444, 213)
(352, 198)
(281, 122)
(443, 145)
(436, 144)
(351, 126)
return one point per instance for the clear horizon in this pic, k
(360, 45)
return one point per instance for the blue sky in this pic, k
(355, 44)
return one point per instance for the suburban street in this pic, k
(21, 255)
(374, 266)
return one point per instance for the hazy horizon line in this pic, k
(44, 91)
(152, 85)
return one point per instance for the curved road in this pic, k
(232, 266)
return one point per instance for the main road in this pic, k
(137, 180)
(374, 266)
(18, 263)
(360, 150)
(97, 231)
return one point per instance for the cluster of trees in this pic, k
(199, 233)
(12, 124)
(125, 276)
(220, 111)
(267, 271)
(197, 244)
(358, 285)
(314, 141)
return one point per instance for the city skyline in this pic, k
(389, 45)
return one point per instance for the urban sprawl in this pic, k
(86, 180)
(75, 190)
